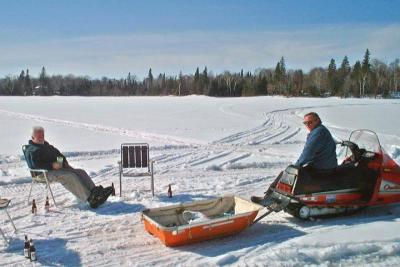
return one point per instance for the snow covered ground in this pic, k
(204, 147)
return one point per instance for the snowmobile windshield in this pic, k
(369, 141)
(366, 139)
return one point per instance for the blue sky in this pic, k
(112, 38)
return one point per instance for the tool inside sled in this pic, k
(358, 182)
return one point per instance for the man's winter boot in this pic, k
(98, 196)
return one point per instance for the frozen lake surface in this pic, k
(204, 147)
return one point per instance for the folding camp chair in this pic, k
(135, 162)
(38, 176)
(3, 206)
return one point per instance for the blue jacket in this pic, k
(319, 150)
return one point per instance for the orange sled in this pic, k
(200, 220)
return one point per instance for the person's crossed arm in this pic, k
(313, 145)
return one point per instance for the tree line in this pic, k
(364, 78)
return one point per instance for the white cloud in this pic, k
(116, 55)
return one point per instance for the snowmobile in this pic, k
(367, 176)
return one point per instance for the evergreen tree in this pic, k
(197, 75)
(366, 64)
(204, 81)
(345, 66)
(150, 80)
(280, 77)
(277, 78)
(332, 77)
(282, 67)
(43, 82)
(356, 76)
(28, 83)
(277, 73)
(196, 85)
(22, 75)
(42, 76)
(20, 86)
(129, 79)
(365, 69)
(150, 76)
(343, 74)
(205, 74)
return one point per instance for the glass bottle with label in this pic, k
(32, 251)
(47, 205)
(26, 247)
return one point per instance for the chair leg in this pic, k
(30, 191)
(152, 179)
(51, 192)
(4, 237)
(9, 217)
(120, 179)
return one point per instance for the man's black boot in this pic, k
(98, 196)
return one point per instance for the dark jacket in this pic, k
(42, 156)
(320, 150)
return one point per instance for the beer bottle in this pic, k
(47, 205)
(34, 208)
(26, 247)
(32, 251)
(169, 191)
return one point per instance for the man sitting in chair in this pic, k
(42, 155)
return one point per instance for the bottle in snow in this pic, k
(26, 247)
(47, 205)
(32, 251)
(169, 191)
(34, 208)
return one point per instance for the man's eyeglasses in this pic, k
(307, 122)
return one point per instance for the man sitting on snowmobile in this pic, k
(319, 152)
(41, 155)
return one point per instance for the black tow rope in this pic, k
(262, 216)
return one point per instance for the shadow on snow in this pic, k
(371, 214)
(50, 252)
(117, 208)
(257, 235)
(182, 198)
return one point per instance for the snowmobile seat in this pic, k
(135, 162)
(311, 181)
(349, 177)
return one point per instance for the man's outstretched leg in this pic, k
(265, 200)
(81, 185)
